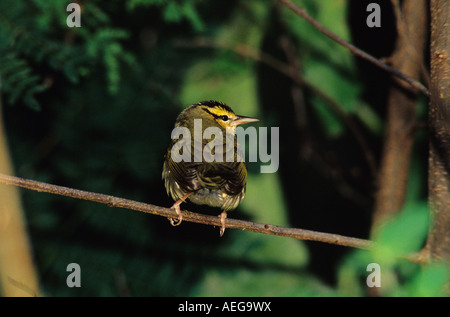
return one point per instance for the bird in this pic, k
(219, 182)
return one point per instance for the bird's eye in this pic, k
(224, 118)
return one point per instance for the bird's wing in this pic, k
(184, 173)
(191, 176)
(229, 176)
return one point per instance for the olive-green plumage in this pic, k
(218, 183)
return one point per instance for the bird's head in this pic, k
(213, 113)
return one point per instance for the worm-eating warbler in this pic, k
(218, 182)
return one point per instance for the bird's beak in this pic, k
(243, 120)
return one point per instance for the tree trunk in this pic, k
(401, 113)
(438, 243)
(17, 272)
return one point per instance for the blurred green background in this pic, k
(93, 107)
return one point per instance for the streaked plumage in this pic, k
(217, 184)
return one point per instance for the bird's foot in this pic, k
(176, 206)
(173, 221)
(223, 221)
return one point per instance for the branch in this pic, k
(113, 201)
(402, 28)
(401, 117)
(303, 14)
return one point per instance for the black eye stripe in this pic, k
(215, 116)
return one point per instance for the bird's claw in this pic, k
(173, 221)
(223, 221)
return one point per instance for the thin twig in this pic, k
(113, 201)
(303, 14)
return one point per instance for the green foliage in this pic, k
(35, 35)
(17, 78)
(105, 45)
(405, 234)
(31, 33)
(173, 11)
(428, 282)
(325, 61)
(397, 240)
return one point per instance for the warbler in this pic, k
(199, 166)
